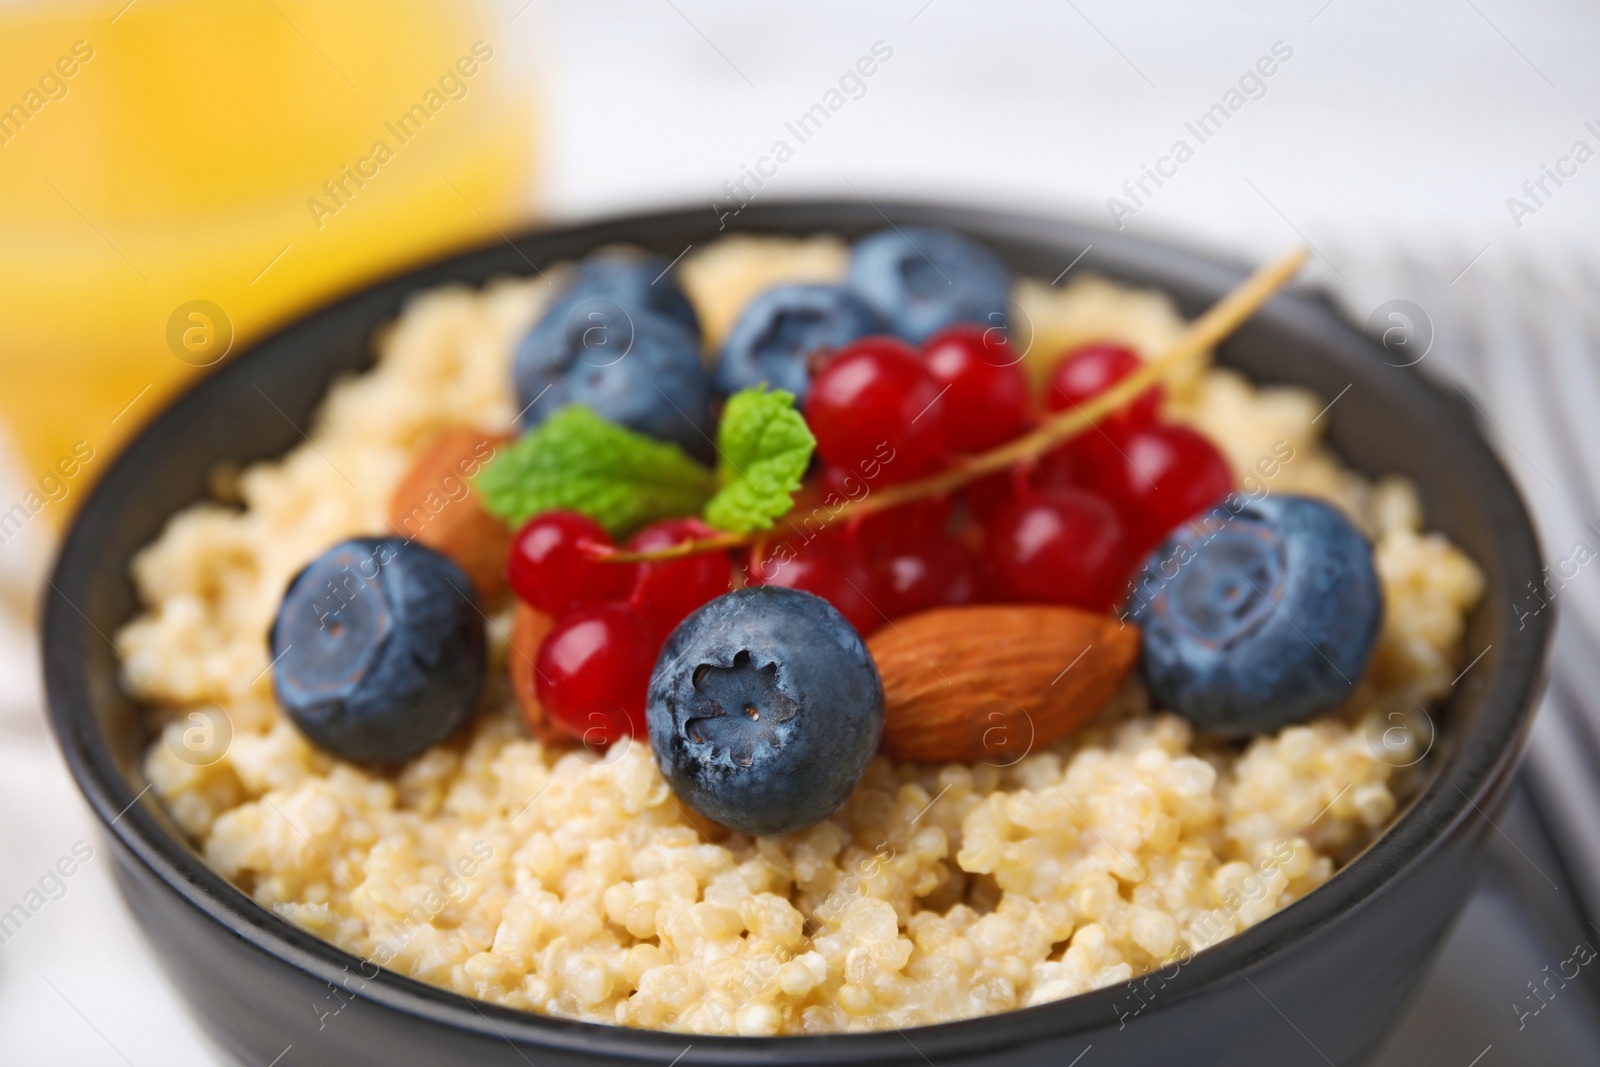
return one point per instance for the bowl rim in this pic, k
(1457, 790)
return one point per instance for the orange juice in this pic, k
(177, 175)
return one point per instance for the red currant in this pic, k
(593, 669)
(926, 573)
(551, 567)
(987, 399)
(876, 402)
(668, 590)
(1061, 546)
(1092, 369)
(1069, 465)
(835, 487)
(829, 564)
(1156, 477)
(1062, 466)
(987, 495)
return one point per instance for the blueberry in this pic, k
(635, 281)
(378, 649)
(764, 710)
(1257, 615)
(629, 364)
(922, 279)
(783, 327)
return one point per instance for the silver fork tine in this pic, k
(1523, 388)
(1508, 401)
(1492, 340)
(1564, 371)
(1516, 401)
(1457, 351)
(1561, 374)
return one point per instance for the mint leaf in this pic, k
(765, 446)
(579, 461)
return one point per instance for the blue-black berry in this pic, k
(922, 279)
(764, 710)
(625, 347)
(378, 649)
(1257, 619)
(782, 332)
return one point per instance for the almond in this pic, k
(527, 634)
(989, 683)
(434, 505)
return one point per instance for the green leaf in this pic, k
(765, 446)
(579, 461)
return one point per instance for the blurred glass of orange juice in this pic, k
(177, 175)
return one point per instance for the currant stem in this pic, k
(718, 542)
(1204, 333)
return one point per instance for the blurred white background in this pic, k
(1387, 125)
(1388, 130)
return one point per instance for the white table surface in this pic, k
(1385, 129)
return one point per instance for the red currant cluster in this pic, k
(610, 619)
(1067, 529)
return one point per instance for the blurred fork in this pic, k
(1522, 340)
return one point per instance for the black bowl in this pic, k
(1317, 983)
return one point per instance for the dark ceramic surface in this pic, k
(1317, 983)
(1522, 928)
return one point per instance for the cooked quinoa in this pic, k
(553, 881)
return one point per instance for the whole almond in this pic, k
(435, 505)
(990, 683)
(527, 634)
